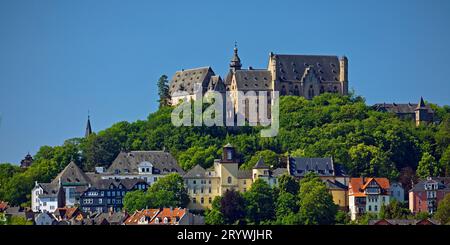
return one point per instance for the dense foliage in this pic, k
(309, 203)
(364, 141)
(168, 191)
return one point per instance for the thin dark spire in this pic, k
(88, 126)
(235, 63)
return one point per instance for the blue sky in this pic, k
(59, 59)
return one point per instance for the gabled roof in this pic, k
(127, 162)
(196, 172)
(185, 80)
(279, 171)
(172, 214)
(324, 166)
(260, 164)
(149, 215)
(357, 186)
(443, 184)
(253, 80)
(292, 67)
(71, 175)
(396, 108)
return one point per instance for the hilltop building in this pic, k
(27, 161)
(297, 75)
(419, 113)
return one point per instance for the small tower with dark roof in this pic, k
(27, 161)
(422, 115)
(235, 63)
(260, 170)
(88, 127)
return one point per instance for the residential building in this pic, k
(397, 192)
(146, 165)
(104, 195)
(64, 190)
(339, 192)
(164, 216)
(367, 195)
(426, 194)
(419, 113)
(323, 167)
(110, 218)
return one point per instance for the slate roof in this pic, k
(244, 174)
(127, 162)
(255, 80)
(408, 108)
(335, 185)
(216, 84)
(49, 189)
(443, 184)
(115, 218)
(71, 175)
(279, 171)
(101, 184)
(260, 164)
(299, 166)
(185, 80)
(196, 172)
(292, 67)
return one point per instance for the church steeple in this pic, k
(88, 127)
(235, 63)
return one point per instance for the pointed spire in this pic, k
(421, 103)
(88, 127)
(235, 63)
(260, 164)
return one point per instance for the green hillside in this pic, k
(363, 141)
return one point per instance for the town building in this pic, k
(104, 195)
(146, 165)
(367, 195)
(64, 190)
(419, 113)
(426, 194)
(397, 192)
(164, 216)
(204, 185)
(339, 192)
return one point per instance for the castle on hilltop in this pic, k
(297, 75)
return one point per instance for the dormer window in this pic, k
(166, 220)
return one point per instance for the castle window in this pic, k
(229, 179)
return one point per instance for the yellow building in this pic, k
(203, 185)
(339, 192)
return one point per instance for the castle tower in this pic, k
(235, 63)
(343, 75)
(260, 170)
(422, 113)
(27, 161)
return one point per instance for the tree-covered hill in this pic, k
(364, 141)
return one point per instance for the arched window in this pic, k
(202, 200)
(229, 179)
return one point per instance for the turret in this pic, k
(235, 63)
(343, 75)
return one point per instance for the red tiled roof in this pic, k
(171, 214)
(357, 185)
(134, 219)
